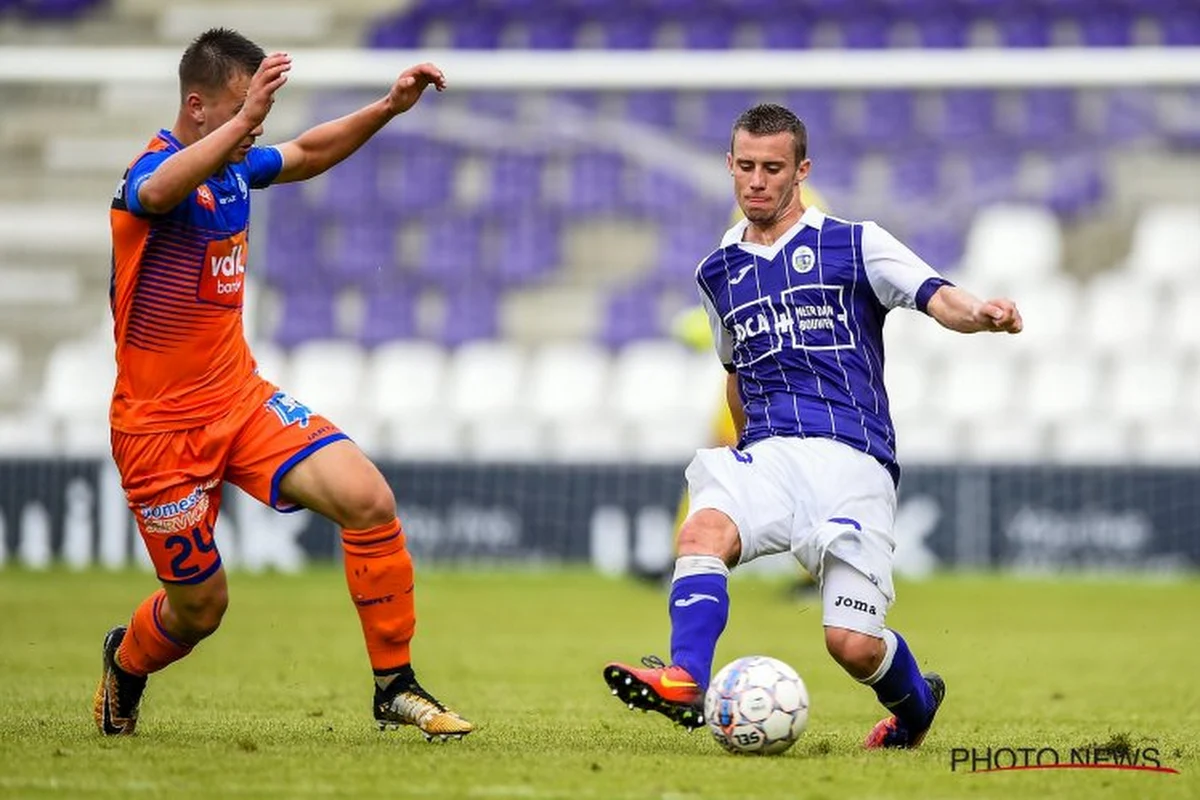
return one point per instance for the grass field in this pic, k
(277, 703)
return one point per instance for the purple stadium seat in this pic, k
(967, 114)
(516, 181)
(1076, 184)
(945, 31)
(1049, 116)
(719, 110)
(659, 194)
(817, 110)
(916, 174)
(503, 105)
(580, 99)
(834, 168)
(941, 246)
(307, 314)
(888, 119)
(390, 313)
(708, 31)
(682, 243)
(1129, 114)
(655, 108)
(789, 36)
(865, 31)
(1024, 28)
(417, 177)
(1181, 27)
(992, 173)
(631, 313)
(293, 239)
(634, 31)
(478, 29)
(1106, 27)
(351, 188)
(470, 314)
(453, 249)
(551, 29)
(54, 9)
(522, 248)
(362, 249)
(596, 182)
(401, 31)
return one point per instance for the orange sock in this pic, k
(379, 572)
(147, 647)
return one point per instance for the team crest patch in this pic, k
(289, 410)
(803, 259)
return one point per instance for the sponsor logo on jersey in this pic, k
(223, 277)
(205, 199)
(177, 515)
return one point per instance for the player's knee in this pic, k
(199, 614)
(859, 654)
(369, 505)
(709, 533)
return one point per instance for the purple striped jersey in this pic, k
(801, 324)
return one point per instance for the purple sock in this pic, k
(903, 691)
(699, 610)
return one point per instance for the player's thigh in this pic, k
(196, 609)
(172, 483)
(748, 487)
(849, 513)
(289, 457)
(341, 483)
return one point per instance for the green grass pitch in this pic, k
(276, 705)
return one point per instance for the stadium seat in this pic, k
(327, 376)
(470, 314)
(308, 314)
(1111, 322)
(1061, 385)
(600, 438)
(10, 370)
(1172, 440)
(27, 435)
(390, 314)
(485, 380)
(1090, 439)
(79, 379)
(438, 437)
(1047, 117)
(649, 380)
(924, 438)
(1146, 386)
(1166, 245)
(567, 379)
(909, 377)
(404, 379)
(631, 314)
(512, 437)
(1050, 311)
(272, 362)
(979, 378)
(1006, 438)
(1012, 245)
(669, 440)
(1182, 322)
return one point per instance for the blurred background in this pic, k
(492, 297)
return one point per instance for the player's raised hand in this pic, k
(272, 73)
(999, 315)
(407, 89)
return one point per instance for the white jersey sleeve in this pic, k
(900, 278)
(722, 341)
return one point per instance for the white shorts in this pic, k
(816, 498)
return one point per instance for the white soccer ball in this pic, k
(756, 704)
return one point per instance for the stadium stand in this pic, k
(494, 276)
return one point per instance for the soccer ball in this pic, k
(756, 704)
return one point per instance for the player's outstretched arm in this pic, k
(177, 177)
(959, 310)
(319, 148)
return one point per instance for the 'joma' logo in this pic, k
(857, 605)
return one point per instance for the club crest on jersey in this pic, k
(803, 259)
(289, 410)
(204, 197)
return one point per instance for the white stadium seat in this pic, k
(1166, 245)
(1050, 312)
(1182, 318)
(1145, 388)
(272, 361)
(405, 378)
(327, 376)
(511, 437)
(567, 379)
(1006, 439)
(28, 434)
(436, 437)
(669, 440)
(926, 438)
(1172, 439)
(600, 438)
(1061, 384)
(1117, 315)
(485, 379)
(978, 378)
(1091, 439)
(909, 378)
(78, 389)
(1011, 246)
(650, 380)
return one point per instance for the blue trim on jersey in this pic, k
(926, 292)
(203, 576)
(292, 461)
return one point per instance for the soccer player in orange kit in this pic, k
(189, 410)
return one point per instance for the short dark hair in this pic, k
(765, 119)
(216, 56)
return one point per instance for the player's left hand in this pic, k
(999, 315)
(407, 89)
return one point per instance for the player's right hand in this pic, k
(271, 74)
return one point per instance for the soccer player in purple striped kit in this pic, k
(797, 300)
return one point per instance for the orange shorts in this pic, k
(173, 479)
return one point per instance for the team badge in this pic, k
(289, 410)
(803, 259)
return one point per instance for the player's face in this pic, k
(222, 106)
(766, 177)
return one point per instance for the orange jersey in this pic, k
(177, 285)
